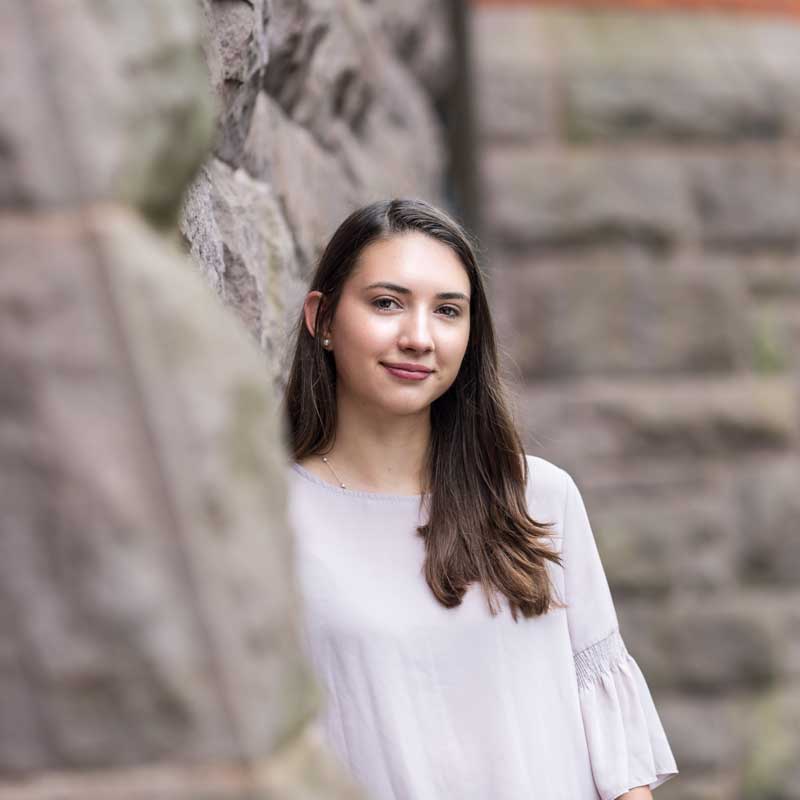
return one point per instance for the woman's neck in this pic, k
(379, 455)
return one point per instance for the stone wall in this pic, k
(642, 203)
(148, 643)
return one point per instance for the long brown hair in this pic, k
(476, 472)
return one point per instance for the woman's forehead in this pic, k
(416, 262)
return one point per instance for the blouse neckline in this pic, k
(310, 476)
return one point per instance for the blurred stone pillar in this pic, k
(147, 610)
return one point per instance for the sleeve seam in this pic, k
(600, 641)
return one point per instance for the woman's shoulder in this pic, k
(547, 482)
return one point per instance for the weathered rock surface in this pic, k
(241, 240)
(140, 487)
(622, 311)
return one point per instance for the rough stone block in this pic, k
(707, 733)
(656, 432)
(664, 542)
(515, 76)
(620, 311)
(550, 198)
(768, 509)
(677, 76)
(242, 244)
(401, 150)
(769, 276)
(702, 416)
(329, 77)
(747, 201)
(420, 34)
(314, 190)
(237, 52)
(644, 626)
(722, 644)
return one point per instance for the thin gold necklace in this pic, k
(325, 459)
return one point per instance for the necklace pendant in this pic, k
(325, 460)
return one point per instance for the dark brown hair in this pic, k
(476, 472)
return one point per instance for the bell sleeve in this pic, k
(626, 741)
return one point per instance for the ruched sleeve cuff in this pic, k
(626, 741)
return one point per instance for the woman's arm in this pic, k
(638, 793)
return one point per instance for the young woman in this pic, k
(455, 608)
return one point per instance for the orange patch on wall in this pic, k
(788, 7)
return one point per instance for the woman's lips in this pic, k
(404, 373)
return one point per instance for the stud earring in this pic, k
(326, 342)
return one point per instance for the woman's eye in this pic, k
(454, 312)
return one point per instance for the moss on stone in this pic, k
(769, 351)
(770, 760)
(249, 402)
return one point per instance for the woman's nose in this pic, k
(417, 331)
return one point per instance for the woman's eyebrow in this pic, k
(403, 290)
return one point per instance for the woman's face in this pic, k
(421, 319)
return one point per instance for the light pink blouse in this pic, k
(428, 703)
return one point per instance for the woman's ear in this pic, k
(311, 307)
